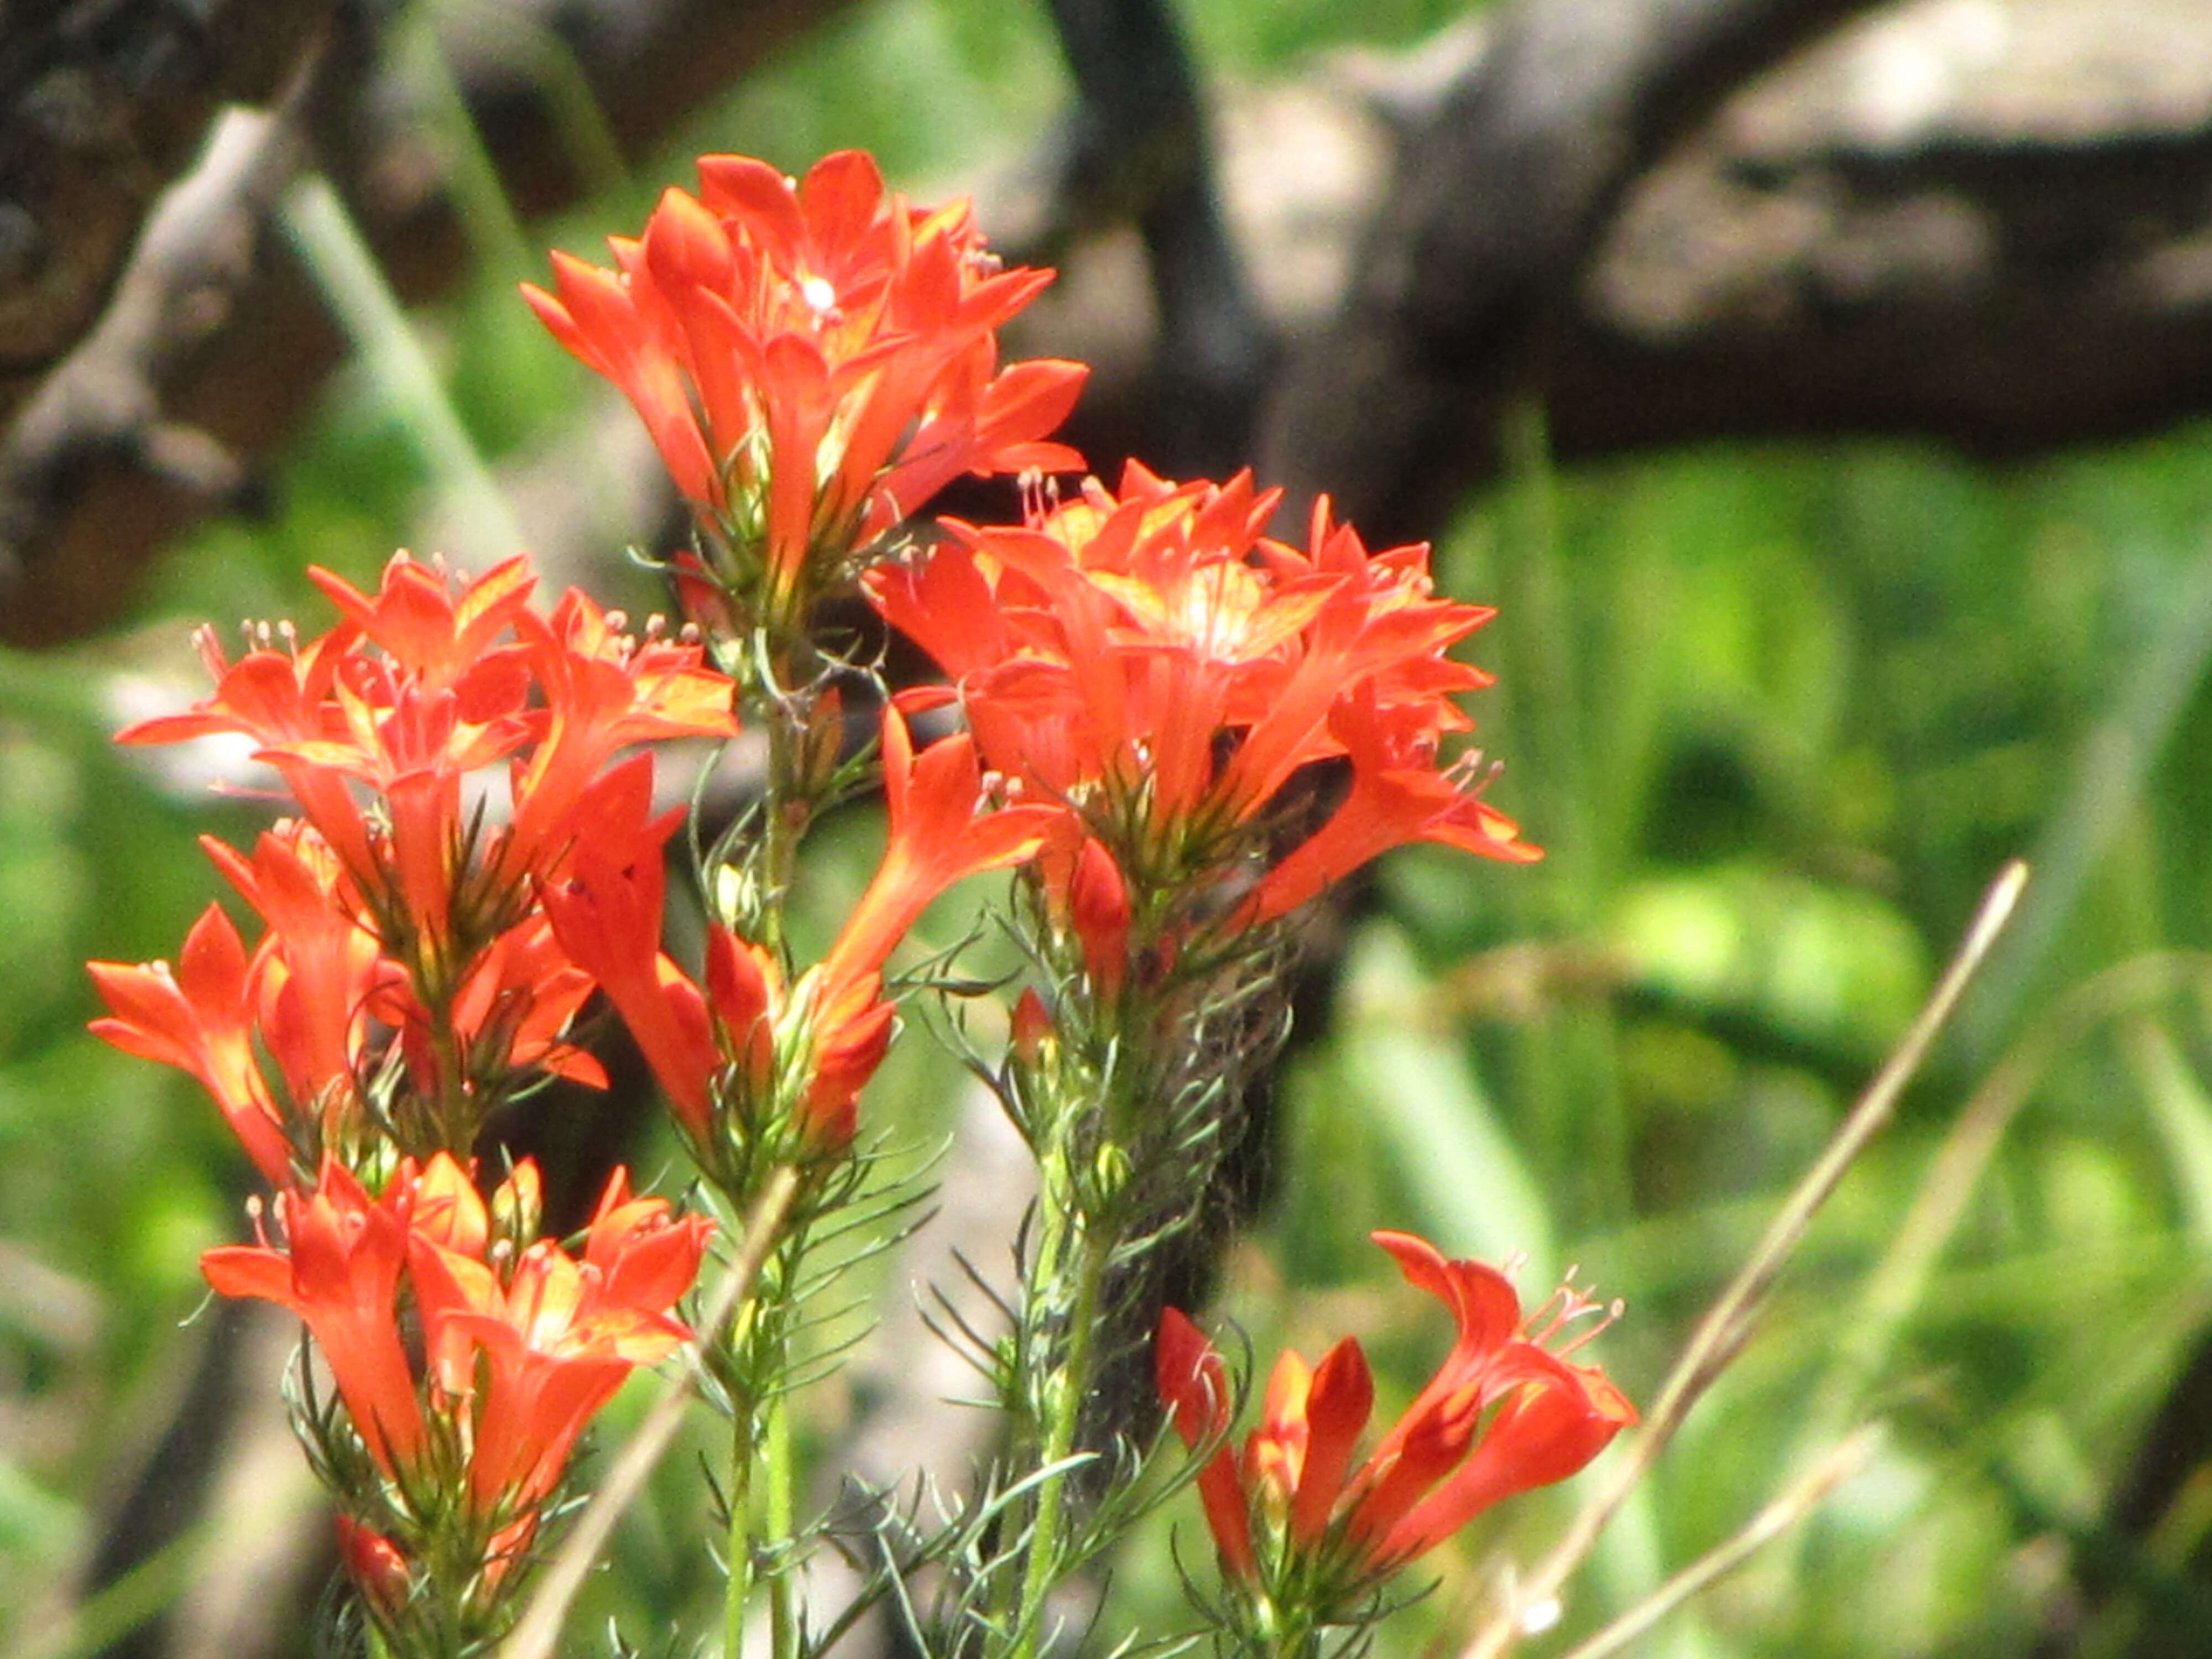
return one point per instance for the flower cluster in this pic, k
(448, 751)
(408, 982)
(1304, 1535)
(815, 359)
(523, 1342)
(1179, 728)
(1188, 730)
(1177, 680)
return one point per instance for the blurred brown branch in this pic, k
(1664, 220)
(1498, 199)
(1983, 221)
(117, 463)
(102, 104)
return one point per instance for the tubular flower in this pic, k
(377, 1568)
(1297, 1522)
(316, 968)
(814, 360)
(557, 1335)
(403, 921)
(293, 1039)
(1155, 662)
(506, 1019)
(374, 727)
(1398, 794)
(198, 1016)
(605, 914)
(939, 833)
(605, 691)
(753, 1053)
(339, 1271)
(282, 1036)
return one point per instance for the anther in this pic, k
(1540, 1615)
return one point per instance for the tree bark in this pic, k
(1497, 203)
(106, 465)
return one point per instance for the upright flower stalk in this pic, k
(1190, 694)
(408, 982)
(1175, 730)
(814, 359)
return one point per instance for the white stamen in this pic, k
(1540, 1616)
(819, 294)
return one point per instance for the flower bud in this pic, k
(1098, 907)
(378, 1570)
(1032, 1029)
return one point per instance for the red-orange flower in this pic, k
(1503, 1412)
(315, 971)
(276, 698)
(557, 1335)
(814, 360)
(319, 1002)
(941, 829)
(507, 1020)
(339, 1271)
(378, 1570)
(604, 690)
(440, 639)
(750, 1046)
(606, 914)
(1399, 794)
(376, 726)
(402, 914)
(198, 1016)
(1157, 664)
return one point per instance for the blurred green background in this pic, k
(1779, 713)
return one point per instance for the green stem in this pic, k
(1067, 1390)
(782, 1520)
(783, 825)
(761, 1451)
(745, 1447)
(1279, 1637)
